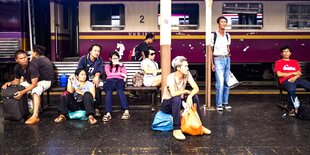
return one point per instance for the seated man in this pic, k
(92, 63)
(31, 74)
(289, 72)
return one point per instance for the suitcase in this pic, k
(14, 109)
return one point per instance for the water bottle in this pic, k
(63, 80)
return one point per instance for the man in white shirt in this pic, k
(220, 42)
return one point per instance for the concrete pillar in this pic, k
(208, 53)
(165, 40)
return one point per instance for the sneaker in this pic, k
(32, 120)
(219, 108)
(125, 115)
(106, 117)
(227, 107)
(133, 96)
(97, 112)
(177, 134)
(206, 131)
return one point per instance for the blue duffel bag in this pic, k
(162, 122)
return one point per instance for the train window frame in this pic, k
(119, 18)
(297, 19)
(251, 13)
(187, 18)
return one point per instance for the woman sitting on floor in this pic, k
(116, 75)
(150, 68)
(80, 95)
(175, 92)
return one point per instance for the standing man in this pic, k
(289, 72)
(142, 47)
(220, 42)
(92, 63)
(31, 74)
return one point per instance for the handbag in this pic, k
(162, 122)
(232, 81)
(190, 121)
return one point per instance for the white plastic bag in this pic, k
(232, 81)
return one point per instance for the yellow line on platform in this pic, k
(125, 37)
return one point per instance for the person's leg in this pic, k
(226, 87)
(157, 81)
(36, 93)
(219, 76)
(89, 105)
(303, 83)
(291, 91)
(108, 89)
(173, 106)
(66, 102)
(98, 97)
(120, 86)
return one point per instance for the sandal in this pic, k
(60, 119)
(92, 120)
(106, 117)
(125, 115)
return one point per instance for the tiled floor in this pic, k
(254, 126)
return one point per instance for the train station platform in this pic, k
(255, 125)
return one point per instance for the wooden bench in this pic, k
(132, 67)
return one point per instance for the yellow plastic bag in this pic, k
(190, 122)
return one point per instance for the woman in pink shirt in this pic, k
(116, 75)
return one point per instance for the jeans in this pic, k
(222, 68)
(119, 86)
(291, 89)
(173, 106)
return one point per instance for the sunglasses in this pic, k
(152, 54)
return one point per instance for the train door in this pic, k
(64, 29)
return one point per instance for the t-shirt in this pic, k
(92, 67)
(30, 72)
(85, 88)
(138, 51)
(220, 46)
(45, 68)
(171, 82)
(286, 66)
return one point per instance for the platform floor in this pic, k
(254, 126)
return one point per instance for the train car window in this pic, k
(11, 16)
(184, 16)
(298, 16)
(107, 17)
(244, 15)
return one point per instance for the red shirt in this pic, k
(286, 66)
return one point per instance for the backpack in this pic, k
(132, 53)
(137, 79)
(303, 112)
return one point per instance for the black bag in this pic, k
(304, 112)
(14, 109)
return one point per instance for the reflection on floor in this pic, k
(254, 126)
